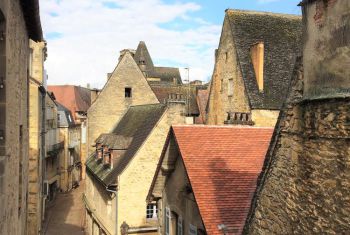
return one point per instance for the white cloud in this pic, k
(92, 36)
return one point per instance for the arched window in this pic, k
(2, 84)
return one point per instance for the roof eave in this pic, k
(30, 9)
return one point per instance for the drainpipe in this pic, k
(116, 208)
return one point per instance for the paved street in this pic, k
(66, 215)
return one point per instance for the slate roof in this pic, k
(75, 98)
(166, 74)
(281, 35)
(64, 120)
(223, 164)
(134, 127)
(30, 9)
(163, 92)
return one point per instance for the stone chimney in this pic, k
(93, 94)
(257, 56)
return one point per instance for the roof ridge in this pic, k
(263, 13)
(222, 126)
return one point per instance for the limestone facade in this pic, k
(304, 188)
(108, 211)
(112, 102)
(14, 92)
(37, 126)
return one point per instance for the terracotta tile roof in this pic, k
(223, 164)
(74, 98)
(202, 100)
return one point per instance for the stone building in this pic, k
(19, 21)
(126, 86)
(77, 100)
(204, 181)
(54, 152)
(120, 171)
(156, 76)
(304, 187)
(253, 67)
(37, 145)
(70, 162)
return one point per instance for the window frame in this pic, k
(230, 87)
(153, 211)
(167, 220)
(180, 228)
(128, 92)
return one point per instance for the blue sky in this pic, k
(85, 36)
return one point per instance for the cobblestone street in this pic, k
(66, 215)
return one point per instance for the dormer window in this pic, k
(128, 92)
(257, 57)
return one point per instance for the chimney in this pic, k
(257, 56)
(93, 94)
(123, 52)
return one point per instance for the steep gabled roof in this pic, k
(135, 126)
(142, 56)
(166, 74)
(281, 35)
(222, 164)
(75, 98)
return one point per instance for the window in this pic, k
(167, 221)
(192, 230)
(151, 211)
(221, 85)
(128, 92)
(180, 226)
(230, 87)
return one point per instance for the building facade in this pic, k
(304, 187)
(121, 170)
(253, 67)
(77, 100)
(54, 151)
(37, 140)
(19, 21)
(126, 86)
(70, 163)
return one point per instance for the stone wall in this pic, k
(14, 160)
(111, 103)
(304, 187)
(226, 68)
(36, 128)
(175, 197)
(136, 179)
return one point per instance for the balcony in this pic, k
(54, 149)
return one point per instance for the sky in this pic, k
(85, 37)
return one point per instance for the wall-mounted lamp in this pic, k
(2, 83)
(2, 135)
(2, 36)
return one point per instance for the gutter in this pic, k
(115, 192)
(138, 230)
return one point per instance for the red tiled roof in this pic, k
(202, 100)
(74, 98)
(223, 164)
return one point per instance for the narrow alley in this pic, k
(66, 215)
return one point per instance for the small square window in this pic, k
(128, 92)
(151, 211)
